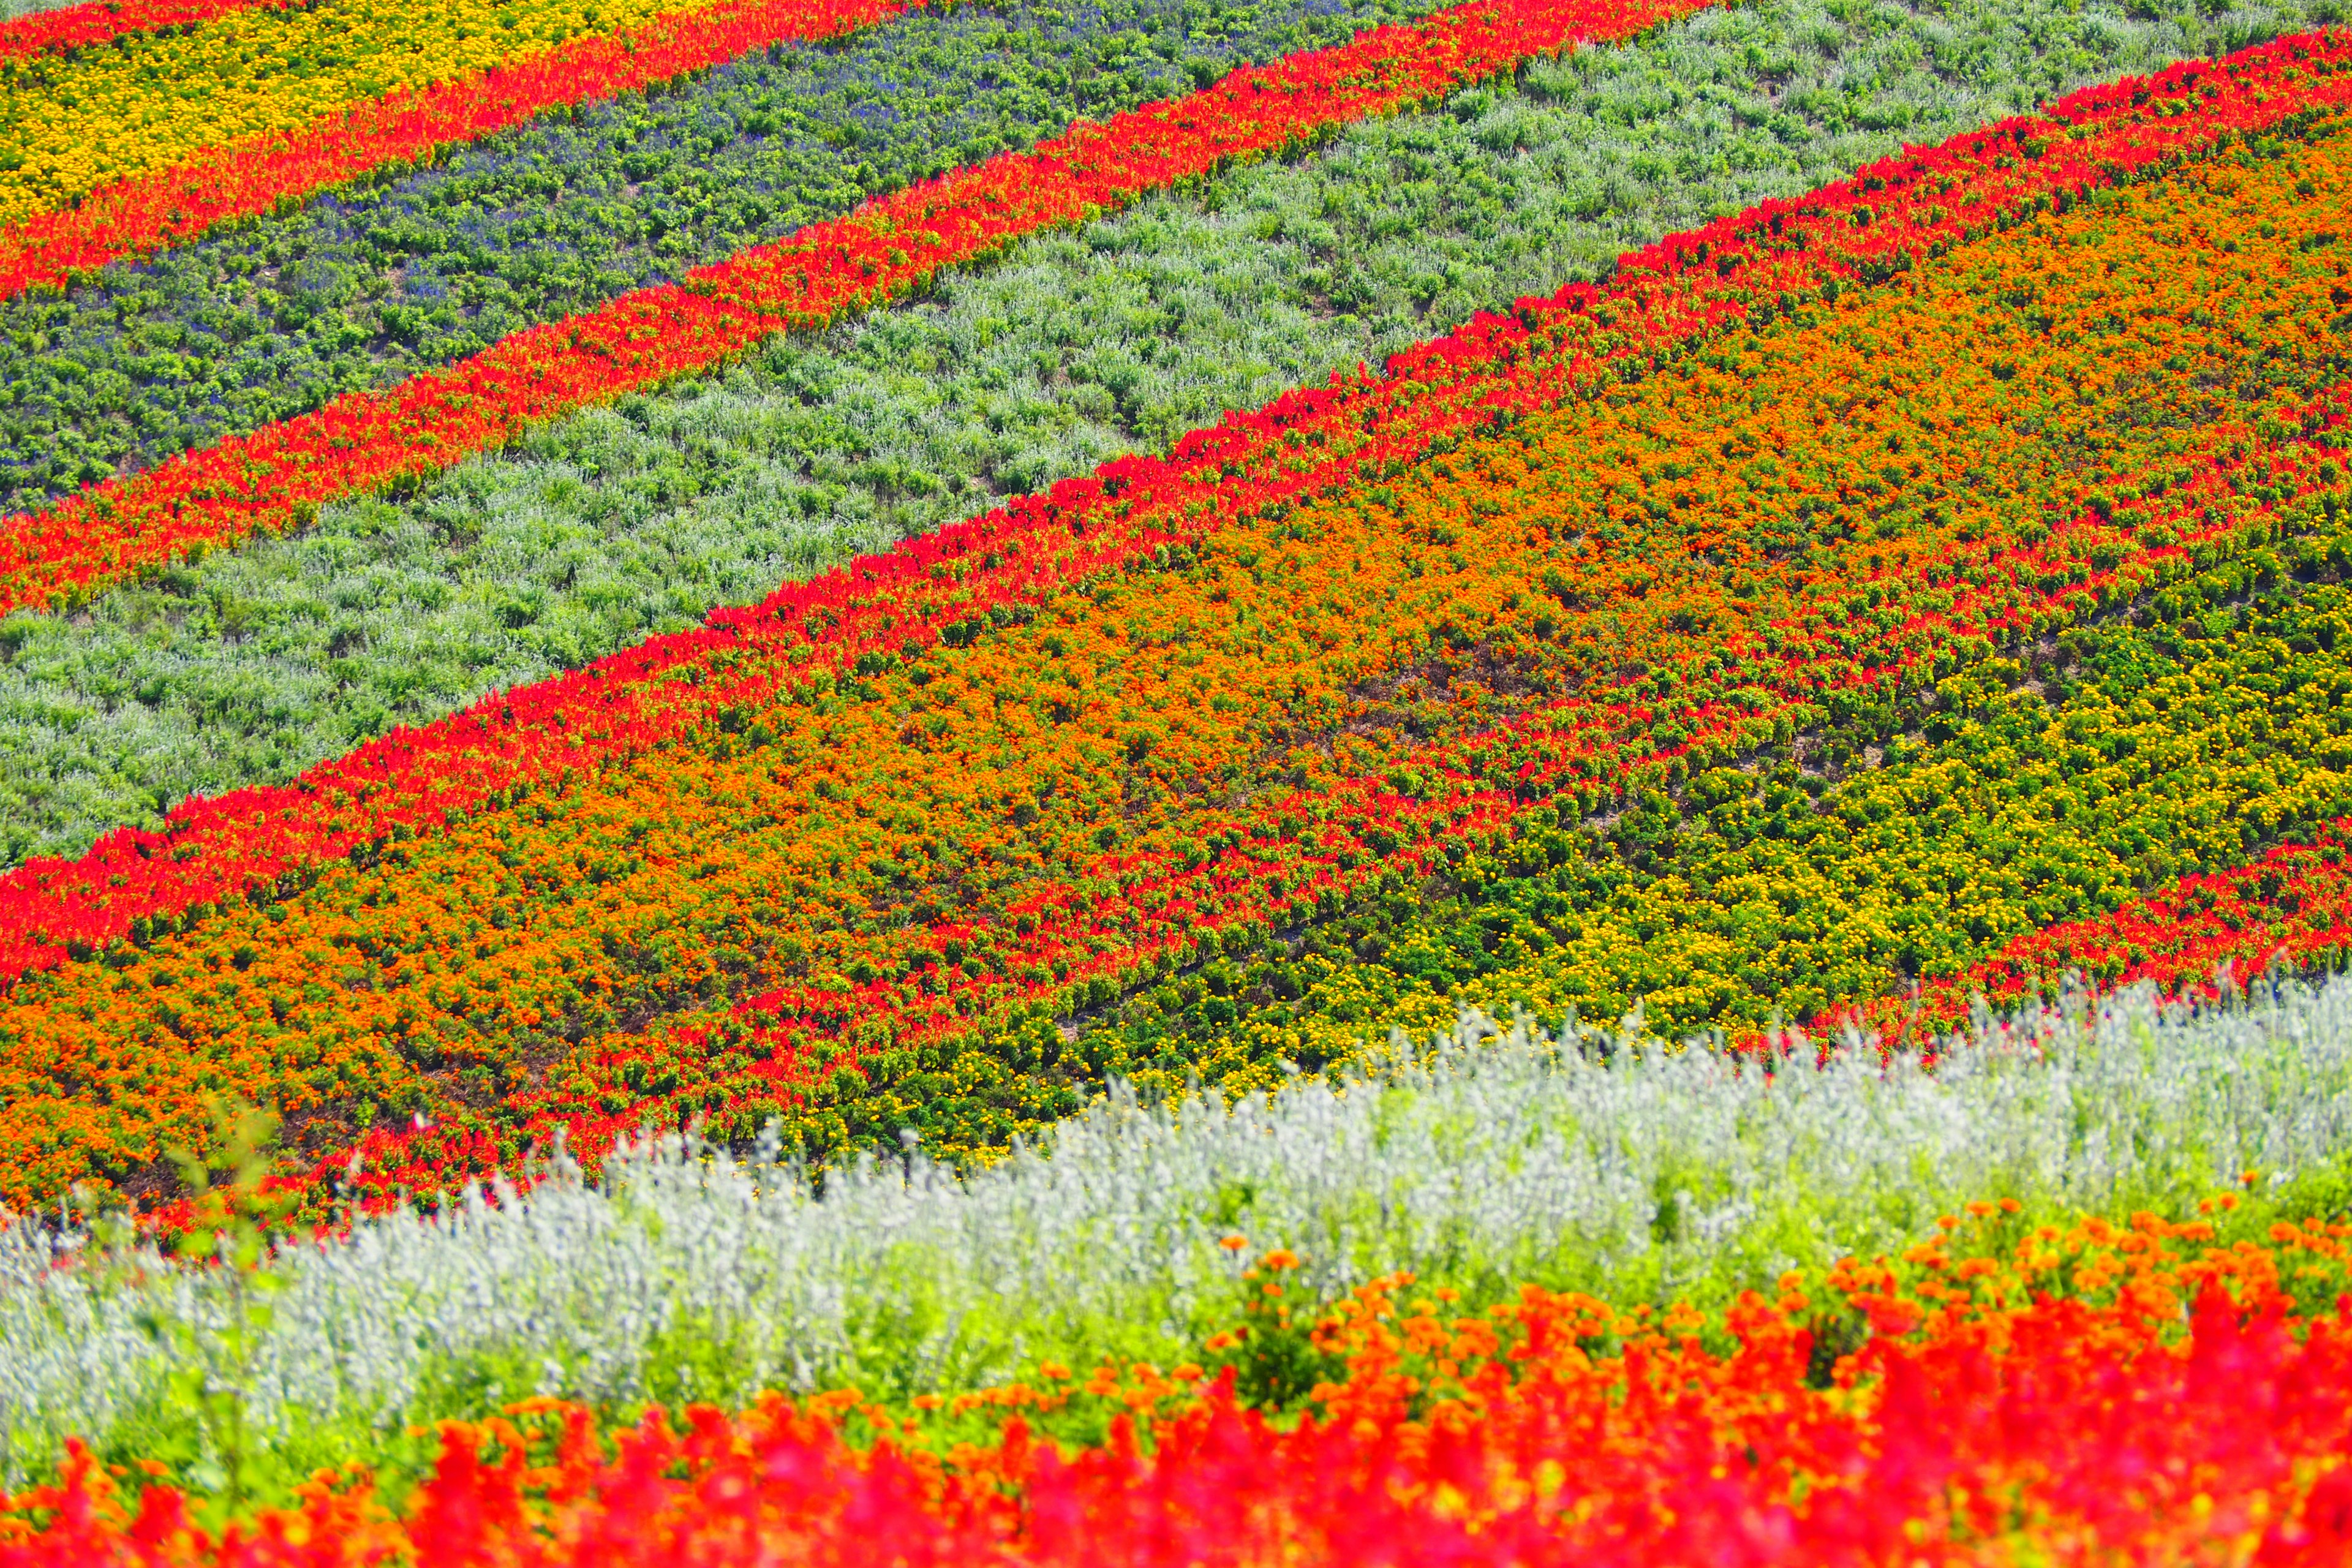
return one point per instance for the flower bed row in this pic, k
(159, 119)
(926, 842)
(414, 778)
(1979, 1399)
(123, 206)
(652, 334)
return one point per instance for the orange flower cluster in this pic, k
(145, 213)
(2016, 1402)
(860, 863)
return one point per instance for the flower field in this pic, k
(1298, 781)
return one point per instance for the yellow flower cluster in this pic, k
(71, 124)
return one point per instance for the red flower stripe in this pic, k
(149, 212)
(2157, 1389)
(219, 848)
(431, 421)
(72, 27)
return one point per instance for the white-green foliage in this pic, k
(599, 529)
(1578, 1163)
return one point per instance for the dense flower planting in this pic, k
(2012, 801)
(1072, 347)
(2142, 1387)
(1082, 865)
(1842, 642)
(1473, 349)
(652, 335)
(128, 201)
(2199, 936)
(412, 267)
(74, 26)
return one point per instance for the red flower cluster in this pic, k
(2000, 1409)
(72, 27)
(148, 212)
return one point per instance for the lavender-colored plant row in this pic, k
(274, 316)
(1073, 347)
(1592, 1161)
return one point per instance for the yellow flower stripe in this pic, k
(70, 125)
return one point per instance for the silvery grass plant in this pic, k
(1590, 1159)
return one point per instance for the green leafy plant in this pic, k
(1272, 1350)
(232, 1211)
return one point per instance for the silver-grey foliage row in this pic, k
(1072, 348)
(1587, 1160)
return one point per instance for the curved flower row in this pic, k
(161, 204)
(216, 848)
(1013, 798)
(1997, 1400)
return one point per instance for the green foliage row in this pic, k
(250, 664)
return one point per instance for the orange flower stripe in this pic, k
(149, 212)
(367, 439)
(1067, 792)
(2171, 1395)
